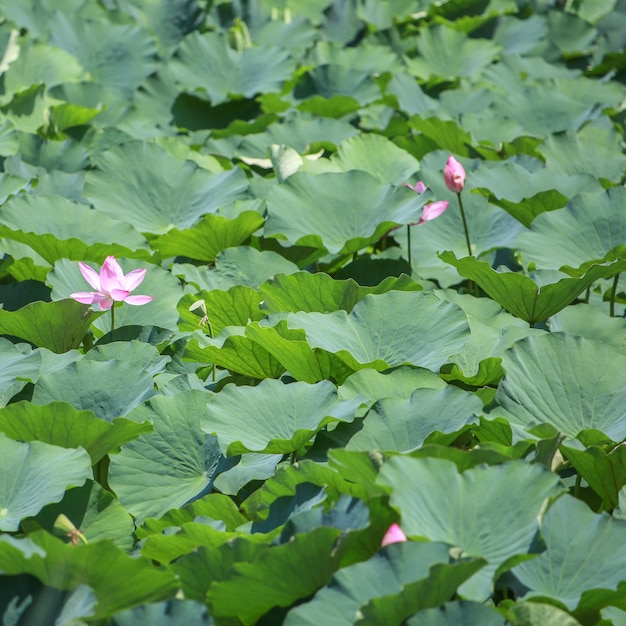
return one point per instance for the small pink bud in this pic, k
(418, 187)
(433, 210)
(393, 535)
(454, 175)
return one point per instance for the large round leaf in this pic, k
(351, 587)
(55, 228)
(60, 424)
(39, 474)
(109, 381)
(119, 581)
(247, 72)
(117, 55)
(169, 193)
(572, 532)
(465, 510)
(19, 364)
(388, 330)
(170, 466)
(459, 613)
(591, 225)
(402, 425)
(569, 382)
(342, 212)
(273, 417)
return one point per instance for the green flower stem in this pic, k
(408, 240)
(113, 318)
(467, 239)
(613, 294)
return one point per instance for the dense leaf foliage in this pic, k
(381, 247)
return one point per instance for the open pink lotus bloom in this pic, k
(454, 175)
(433, 210)
(393, 535)
(111, 285)
(418, 187)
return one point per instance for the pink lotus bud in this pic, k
(393, 535)
(433, 210)
(418, 187)
(454, 175)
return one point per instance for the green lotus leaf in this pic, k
(250, 467)
(40, 474)
(118, 56)
(438, 587)
(171, 193)
(605, 472)
(168, 547)
(170, 20)
(589, 227)
(377, 156)
(19, 366)
(257, 69)
(170, 613)
(273, 417)
(400, 382)
(522, 296)
(526, 195)
(409, 95)
(335, 83)
(303, 291)
(590, 321)
(402, 425)
(571, 532)
(236, 266)
(95, 512)
(56, 228)
(591, 150)
(110, 388)
(265, 582)
(335, 482)
(290, 349)
(541, 110)
(461, 613)
(389, 330)
(59, 326)
(118, 580)
(461, 506)
(342, 212)
(199, 567)
(351, 587)
(589, 394)
(236, 353)
(175, 463)
(27, 110)
(208, 237)
(60, 424)
(538, 614)
(214, 506)
(39, 63)
(448, 53)
(297, 131)
(307, 292)
(511, 181)
(236, 307)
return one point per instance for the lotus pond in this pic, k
(312, 312)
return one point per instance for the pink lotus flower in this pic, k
(111, 285)
(418, 187)
(454, 175)
(393, 535)
(433, 210)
